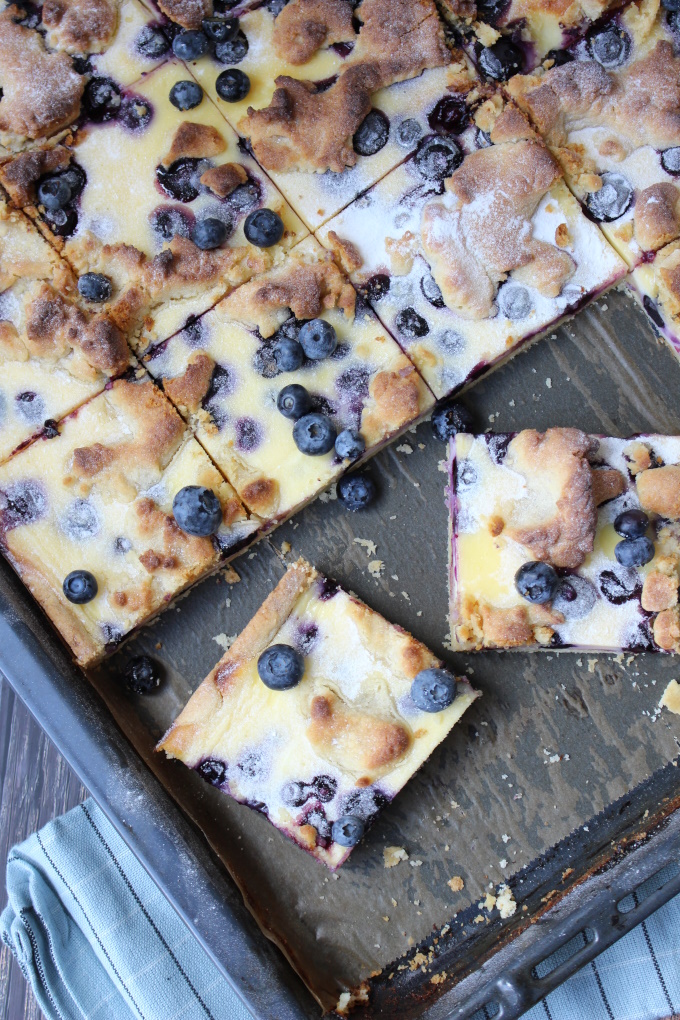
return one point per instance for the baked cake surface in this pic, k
(54, 353)
(342, 742)
(222, 373)
(611, 115)
(656, 286)
(472, 247)
(98, 497)
(554, 500)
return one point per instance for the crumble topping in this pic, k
(20, 175)
(53, 326)
(224, 178)
(304, 26)
(80, 26)
(658, 490)
(199, 141)
(187, 13)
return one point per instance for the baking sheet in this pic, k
(555, 738)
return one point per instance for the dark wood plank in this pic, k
(36, 784)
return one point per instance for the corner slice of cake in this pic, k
(656, 286)
(114, 513)
(565, 540)
(473, 247)
(55, 352)
(609, 109)
(318, 714)
(250, 379)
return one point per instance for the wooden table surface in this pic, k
(36, 785)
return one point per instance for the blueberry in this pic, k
(263, 228)
(450, 116)
(634, 552)
(248, 434)
(30, 407)
(350, 444)
(611, 47)
(169, 221)
(671, 5)
(500, 61)
(318, 339)
(94, 287)
(514, 301)
(410, 324)
(408, 133)
(631, 524)
(219, 30)
(101, 100)
(280, 667)
(80, 586)
(558, 57)
(135, 113)
(209, 233)
(372, 134)
(670, 159)
(50, 429)
(294, 401)
(449, 419)
(54, 192)
(288, 354)
(233, 50)
(25, 503)
(431, 290)
(375, 288)
(142, 674)
(197, 510)
(356, 492)
(437, 158)
(232, 85)
(185, 95)
(81, 521)
(314, 434)
(574, 597)
(673, 21)
(74, 175)
(613, 198)
(62, 222)
(180, 180)
(213, 771)
(190, 45)
(433, 690)
(348, 830)
(152, 42)
(536, 581)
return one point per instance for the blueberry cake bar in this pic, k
(283, 372)
(330, 98)
(55, 352)
(472, 247)
(656, 286)
(110, 515)
(565, 540)
(610, 111)
(318, 714)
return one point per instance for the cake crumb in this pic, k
(285, 548)
(437, 979)
(548, 383)
(456, 884)
(479, 919)
(415, 864)
(505, 837)
(670, 698)
(225, 641)
(392, 855)
(405, 448)
(488, 903)
(505, 901)
(592, 663)
(231, 576)
(367, 544)
(443, 467)
(376, 567)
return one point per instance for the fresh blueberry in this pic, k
(294, 401)
(410, 324)
(263, 228)
(142, 674)
(372, 134)
(631, 524)
(314, 434)
(233, 50)
(197, 510)
(318, 339)
(449, 419)
(408, 133)
(634, 552)
(219, 30)
(350, 444)
(101, 100)
(74, 175)
(152, 42)
(190, 45)
(536, 581)
(613, 198)
(94, 287)
(348, 830)
(500, 61)
(80, 586)
(356, 492)
(213, 771)
(437, 158)
(280, 667)
(209, 233)
(185, 95)
(288, 354)
(670, 159)
(433, 690)
(54, 192)
(611, 47)
(232, 85)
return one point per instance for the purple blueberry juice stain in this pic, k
(245, 198)
(343, 49)
(22, 503)
(181, 180)
(81, 521)
(193, 334)
(498, 446)
(652, 311)
(122, 545)
(375, 288)
(316, 816)
(327, 588)
(112, 635)
(307, 635)
(620, 587)
(324, 84)
(29, 407)
(249, 434)
(168, 221)
(322, 405)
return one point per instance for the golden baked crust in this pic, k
(187, 13)
(20, 175)
(224, 178)
(80, 26)
(658, 490)
(666, 630)
(608, 483)
(304, 26)
(657, 214)
(198, 141)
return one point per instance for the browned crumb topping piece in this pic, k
(304, 26)
(657, 215)
(659, 591)
(353, 739)
(41, 92)
(608, 483)
(198, 141)
(187, 390)
(187, 13)
(80, 26)
(658, 490)
(20, 175)
(224, 178)
(345, 251)
(666, 629)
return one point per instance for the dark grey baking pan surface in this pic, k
(558, 781)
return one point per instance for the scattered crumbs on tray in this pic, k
(566, 873)
(415, 863)
(406, 595)
(443, 467)
(670, 698)
(419, 960)
(385, 918)
(592, 663)
(505, 901)
(419, 613)
(252, 555)
(548, 383)
(230, 575)
(366, 543)
(454, 804)
(394, 902)
(393, 517)
(488, 903)
(421, 446)
(503, 864)
(392, 855)
(227, 603)
(456, 884)
(330, 494)
(225, 641)
(505, 837)
(511, 403)
(479, 919)
(405, 448)
(437, 979)
(285, 548)
(375, 568)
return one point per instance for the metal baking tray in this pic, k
(561, 775)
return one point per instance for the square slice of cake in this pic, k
(332, 98)
(565, 540)
(611, 115)
(92, 520)
(55, 353)
(318, 714)
(656, 286)
(230, 372)
(473, 247)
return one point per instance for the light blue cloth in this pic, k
(98, 941)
